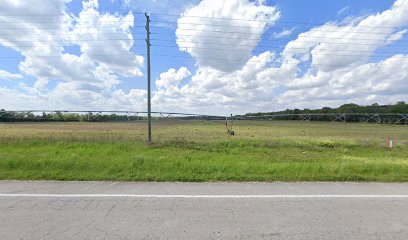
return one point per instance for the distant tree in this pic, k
(349, 105)
(400, 107)
(326, 110)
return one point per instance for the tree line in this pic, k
(58, 116)
(7, 116)
(350, 108)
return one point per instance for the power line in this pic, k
(220, 59)
(253, 27)
(249, 50)
(228, 19)
(76, 40)
(64, 34)
(259, 51)
(217, 37)
(60, 14)
(165, 55)
(187, 29)
(155, 33)
(244, 50)
(266, 34)
(214, 31)
(58, 28)
(278, 40)
(99, 21)
(193, 42)
(217, 18)
(92, 55)
(226, 49)
(212, 25)
(255, 61)
(267, 21)
(313, 37)
(73, 45)
(187, 16)
(166, 40)
(265, 46)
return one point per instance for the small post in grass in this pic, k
(391, 142)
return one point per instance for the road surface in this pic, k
(110, 210)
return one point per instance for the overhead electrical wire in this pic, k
(74, 44)
(77, 40)
(224, 49)
(191, 16)
(210, 25)
(265, 21)
(205, 58)
(255, 61)
(201, 30)
(152, 14)
(215, 37)
(324, 37)
(181, 34)
(256, 46)
(90, 55)
(66, 34)
(58, 28)
(186, 29)
(220, 49)
(252, 46)
(258, 51)
(250, 50)
(59, 14)
(273, 40)
(228, 49)
(266, 28)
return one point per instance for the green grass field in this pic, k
(202, 151)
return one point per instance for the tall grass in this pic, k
(201, 151)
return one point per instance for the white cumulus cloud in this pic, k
(41, 33)
(216, 35)
(284, 33)
(330, 64)
(311, 71)
(9, 76)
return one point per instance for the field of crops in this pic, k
(202, 151)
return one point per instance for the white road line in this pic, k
(29, 195)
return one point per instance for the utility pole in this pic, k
(149, 109)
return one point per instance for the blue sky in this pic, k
(193, 79)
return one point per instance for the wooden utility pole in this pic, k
(149, 109)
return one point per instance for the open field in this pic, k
(201, 151)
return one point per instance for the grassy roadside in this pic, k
(202, 152)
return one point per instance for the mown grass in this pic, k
(201, 151)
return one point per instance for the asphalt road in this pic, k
(107, 210)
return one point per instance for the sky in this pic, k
(216, 57)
